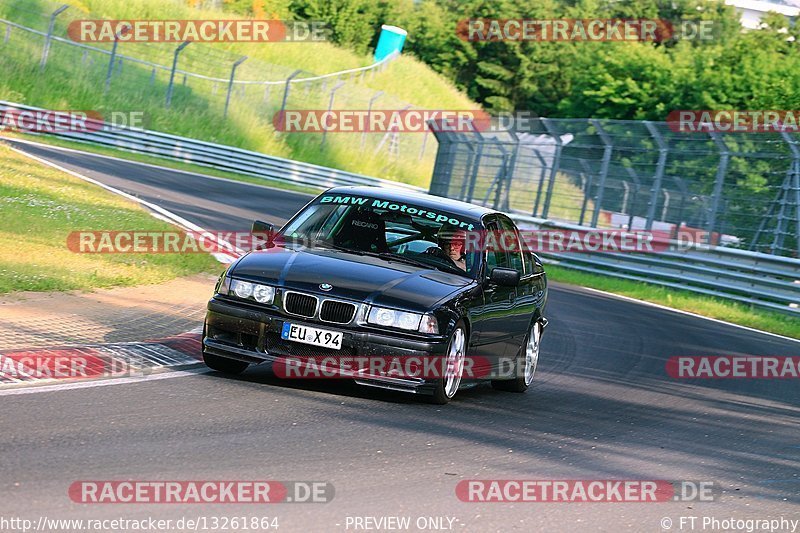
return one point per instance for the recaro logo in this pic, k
(363, 224)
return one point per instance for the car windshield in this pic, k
(391, 230)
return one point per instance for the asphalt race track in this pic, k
(602, 407)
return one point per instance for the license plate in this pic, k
(314, 336)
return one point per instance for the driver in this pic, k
(452, 241)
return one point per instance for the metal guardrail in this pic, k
(212, 155)
(763, 280)
(752, 278)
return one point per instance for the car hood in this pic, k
(356, 277)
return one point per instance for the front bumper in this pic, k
(253, 336)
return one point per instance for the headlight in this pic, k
(263, 294)
(381, 316)
(242, 289)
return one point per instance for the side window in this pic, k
(529, 263)
(512, 245)
(496, 255)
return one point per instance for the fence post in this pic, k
(664, 210)
(780, 226)
(541, 182)
(637, 184)
(49, 37)
(601, 185)
(330, 106)
(476, 166)
(110, 71)
(724, 157)
(589, 179)
(663, 152)
(511, 169)
(424, 144)
(174, 67)
(554, 168)
(369, 112)
(286, 94)
(796, 171)
(230, 84)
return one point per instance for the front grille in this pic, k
(277, 346)
(300, 304)
(338, 312)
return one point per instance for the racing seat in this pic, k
(365, 231)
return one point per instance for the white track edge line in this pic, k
(102, 382)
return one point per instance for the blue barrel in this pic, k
(391, 41)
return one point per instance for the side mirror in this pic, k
(263, 230)
(505, 277)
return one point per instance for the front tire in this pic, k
(525, 366)
(447, 387)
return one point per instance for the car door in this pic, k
(495, 332)
(518, 319)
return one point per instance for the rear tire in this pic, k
(525, 366)
(447, 387)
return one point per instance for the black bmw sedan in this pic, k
(393, 289)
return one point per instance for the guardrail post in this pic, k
(724, 158)
(369, 112)
(8, 34)
(330, 106)
(230, 84)
(663, 152)
(601, 185)
(178, 50)
(49, 37)
(554, 168)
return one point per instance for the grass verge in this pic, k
(40, 207)
(75, 78)
(708, 306)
